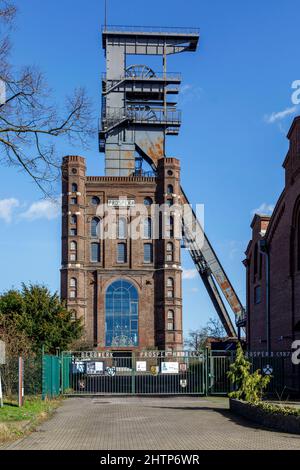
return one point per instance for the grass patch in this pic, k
(17, 421)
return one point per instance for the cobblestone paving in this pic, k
(179, 423)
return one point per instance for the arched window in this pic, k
(74, 188)
(122, 253)
(73, 219)
(122, 228)
(147, 228)
(121, 314)
(95, 252)
(171, 225)
(170, 252)
(170, 315)
(170, 320)
(95, 225)
(95, 201)
(73, 246)
(170, 189)
(73, 288)
(170, 287)
(73, 251)
(148, 253)
(148, 201)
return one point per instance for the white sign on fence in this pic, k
(169, 367)
(141, 366)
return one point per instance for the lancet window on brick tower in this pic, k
(73, 288)
(122, 253)
(148, 253)
(95, 252)
(170, 320)
(170, 252)
(74, 188)
(73, 225)
(73, 251)
(122, 228)
(95, 227)
(170, 287)
(147, 228)
(170, 189)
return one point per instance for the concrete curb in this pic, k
(283, 423)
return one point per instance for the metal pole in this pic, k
(21, 382)
(105, 14)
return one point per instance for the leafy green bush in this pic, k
(248, 387)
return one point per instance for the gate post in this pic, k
(133, 369)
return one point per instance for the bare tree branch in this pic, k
(30, 119)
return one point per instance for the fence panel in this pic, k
(146, 373)
(219, 362)
(32, 376)
(51, 376)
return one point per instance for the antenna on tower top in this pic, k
(105, 13)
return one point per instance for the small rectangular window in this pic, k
(170, 325)
(121, 255)
(73, 200)
(257, 294)
(148, 253)
(95, 252)
(73, 232)
(72, 256)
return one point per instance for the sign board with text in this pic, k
(169, 367)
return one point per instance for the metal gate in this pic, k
(144, 373)
(218, 363)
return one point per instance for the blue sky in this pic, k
(235, 92)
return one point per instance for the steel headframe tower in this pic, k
(138, 114)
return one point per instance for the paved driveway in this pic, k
(180, 423)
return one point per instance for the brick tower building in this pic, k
(149, 268)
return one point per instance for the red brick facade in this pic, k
(84, 282)
(273, 259)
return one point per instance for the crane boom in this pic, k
(210, 268)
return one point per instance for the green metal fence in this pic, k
(157, 373)
(143, 373)
(51, 376)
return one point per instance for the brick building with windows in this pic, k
(273, 264)
(127, 290)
